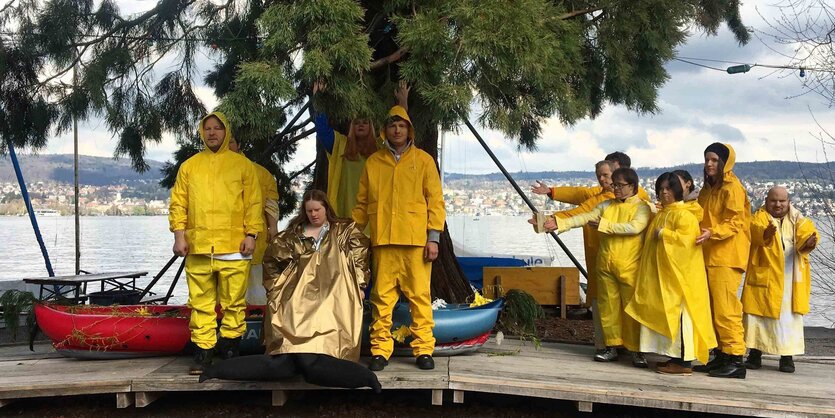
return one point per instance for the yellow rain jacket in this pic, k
(269, 192)
(672, 273)
(591, 242)
(216, 199)
(727, 213)
(695, 208)
(762, 293)
(576, 195)
(398, 212)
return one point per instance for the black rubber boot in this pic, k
(786, 364)
(228, 348)
(755, 359)
(202, 359)
(734, 367)
(718, 361)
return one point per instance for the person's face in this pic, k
(214, 132)
(622, 189)
(777, 203)
(685, 185)
(604, 177)
(315, 211)
(362, 128)
(233, 145)
(397, 133)
(665, 194)
(711, 164)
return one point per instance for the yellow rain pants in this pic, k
(723, 283)
(401, 268)
(211, 281)
(615, 287)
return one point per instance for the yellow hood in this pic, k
(223, 146)
(400, 112)
(729, 165)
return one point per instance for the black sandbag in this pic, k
(324, 370)
(258, 367)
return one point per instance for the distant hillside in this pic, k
(96, 171)
(758, 170)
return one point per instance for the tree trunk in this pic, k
(448, 280)
(320, 171)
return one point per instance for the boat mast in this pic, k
(523, 195)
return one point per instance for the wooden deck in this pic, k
(555, 371)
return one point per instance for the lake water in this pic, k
(144, 244)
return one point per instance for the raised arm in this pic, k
(634, 226)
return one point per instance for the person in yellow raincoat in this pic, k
(691, 194)
(255, 292)
(620, 224)
(216, 215)
(400, 197)
(777, 286)
(671, 300)
(576, 195)
(347, 154)
(315, 273)
(603, 171)
(726, 240)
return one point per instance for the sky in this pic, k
(758, 112)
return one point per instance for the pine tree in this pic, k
(519, 62)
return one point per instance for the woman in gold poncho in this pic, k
(315, 273)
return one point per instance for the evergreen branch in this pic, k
(576, 13)
(7, 6)
(392, 58)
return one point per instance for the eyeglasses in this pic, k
(617, 186)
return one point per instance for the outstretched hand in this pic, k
(704, 236)
(540, 188)
(809, 245)
(402, 94)
(769, 232)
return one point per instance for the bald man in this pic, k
(777, 285)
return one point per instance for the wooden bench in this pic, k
(550, 286)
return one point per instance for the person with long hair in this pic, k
(315, 272)
(620, 224)
(671, 301)
(726, 241)
(347, 153)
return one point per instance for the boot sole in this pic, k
(674, 374)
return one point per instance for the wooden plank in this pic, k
(124, 400)
(279, 397)
(144, 399)
(563, 290)
(457, 396)
(583, 406)
(541, 282)
(437, 397)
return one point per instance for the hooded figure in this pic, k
(216, 216)
(400, 198)
(725, 239)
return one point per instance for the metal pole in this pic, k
(75, 184)
(523, 195)
(29, 209)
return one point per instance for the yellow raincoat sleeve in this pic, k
(253, 205)
(358, 245)
(574, 195)
(684, 236)
(634, 227)
(434, 199)
(580, 219)
(805, 229)
(759, 223)
(733, 214)
(178, 208)
(360, 212)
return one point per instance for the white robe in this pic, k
(653, 342)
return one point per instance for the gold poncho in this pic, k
(314, 297)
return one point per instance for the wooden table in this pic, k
(75, 286)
